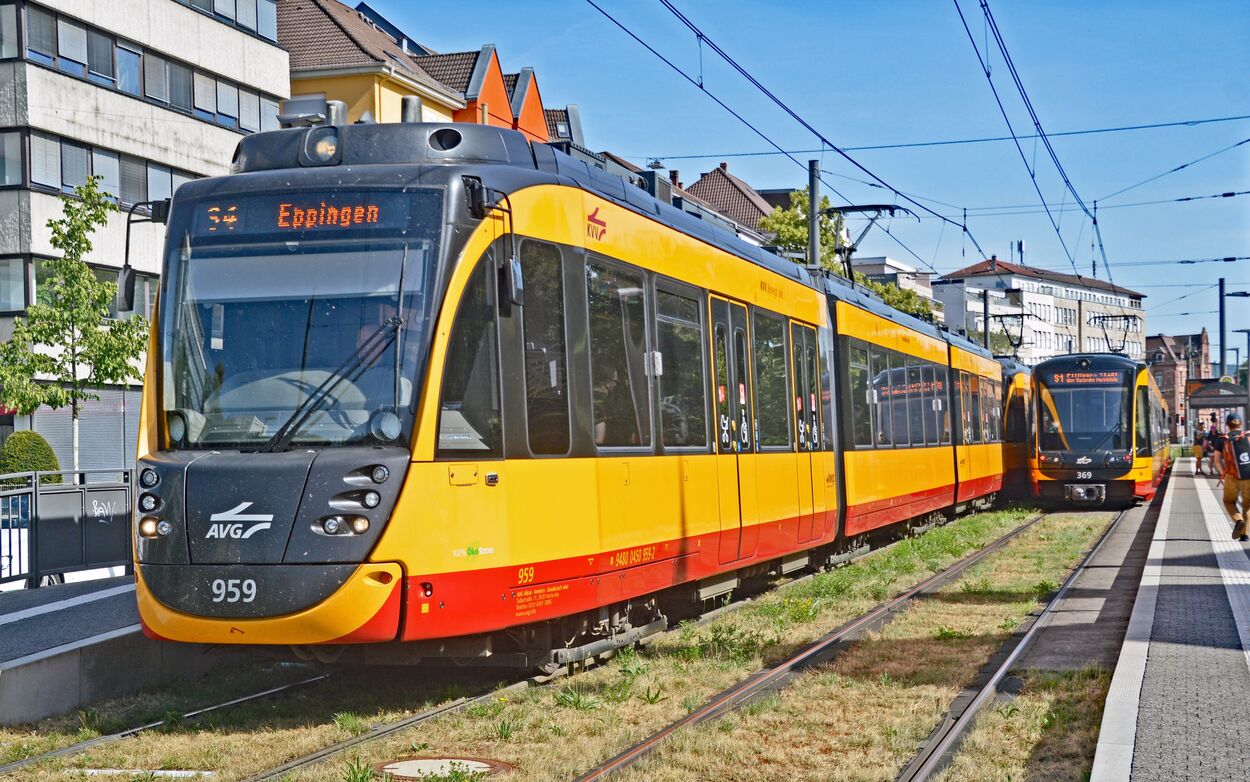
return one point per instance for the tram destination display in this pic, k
(305, 214)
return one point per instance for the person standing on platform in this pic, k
(1199, 447)
(1235, 469)
(1215, 449)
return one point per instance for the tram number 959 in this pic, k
(233, 590)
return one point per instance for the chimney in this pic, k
(993, 263)
(724, 166)
(672, 176)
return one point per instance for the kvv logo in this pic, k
(234, 523)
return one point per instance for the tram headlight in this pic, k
(148, 503)
(163, 528)
(149, 478)
(371, 499)
(325, 147)
(333, 525)
(380, 474)
(360, 525)
(152, 527)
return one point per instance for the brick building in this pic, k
(1174, 361)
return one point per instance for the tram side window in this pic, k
(880, 374)
(618, 352)
(824, 338)
(771, 395)
(683, 391)
(916, 401)
(941, 388)
(928, 387)
(470, 422)
(898, 399)
(971, 396)
(858, 395)
(1143, 421)
(546, 367)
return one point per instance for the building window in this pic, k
(160, 182)
(106, 166)
(246, 16)
(155, 78)
(129, 78)
(249, 111)
(72, 47)
(205, 97)
(180, 86)
(134, 180)
(12, 284)
(45, 161)
(227, 104)
(224, 8)
(562, 130)
(40, 36)
(100, 67)
(75, 166)
(8, 31)
(10, 158)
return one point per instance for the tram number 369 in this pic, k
(233, 590)
(1084, 475)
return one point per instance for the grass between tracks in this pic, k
(862, 716)
(170, 701)
(552, 732)
(1049, 731)
(556, 732)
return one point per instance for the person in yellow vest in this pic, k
(1235, 469)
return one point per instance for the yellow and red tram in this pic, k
(431, 390)
(1102, 431)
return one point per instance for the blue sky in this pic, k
(879, 73)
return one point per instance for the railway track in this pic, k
(189, 716)
(817, 652)
(940, 748)
(720, 704)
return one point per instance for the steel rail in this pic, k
(195, 714)
(940, 748)
(817, 651)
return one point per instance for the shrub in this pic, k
(28, 452)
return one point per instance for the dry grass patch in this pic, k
(166, 702)
(242, 741)
(560, 731)
(1049, 731)
(863, 716)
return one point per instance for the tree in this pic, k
(66, 344)
(1000, 343)
(789, 228)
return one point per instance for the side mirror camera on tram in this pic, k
(158, 212)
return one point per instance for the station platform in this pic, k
(1179, 698)
(65, 645)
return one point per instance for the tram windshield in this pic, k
(297, 319)
(1084, 410)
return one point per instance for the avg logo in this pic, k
(596, 227)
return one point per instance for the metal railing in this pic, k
(53, 523)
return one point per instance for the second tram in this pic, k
(1102, 433)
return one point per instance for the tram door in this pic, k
(735, 430)
(806, 421)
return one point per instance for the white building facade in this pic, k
(1060, 313)
(145, 94)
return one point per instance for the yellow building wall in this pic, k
(373, 93)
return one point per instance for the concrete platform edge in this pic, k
(109, 665)
(1113, 758)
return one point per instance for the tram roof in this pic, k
(465, 144)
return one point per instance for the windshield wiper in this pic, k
(369, 351)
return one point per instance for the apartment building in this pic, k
(145, 94)
(1062, 313)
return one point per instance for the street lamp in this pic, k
(1247, 333)
(1223, 351)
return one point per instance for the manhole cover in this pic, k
(416, 769)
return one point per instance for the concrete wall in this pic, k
(188, 35)
(57, 683)
(147, 240)
(80, 110)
